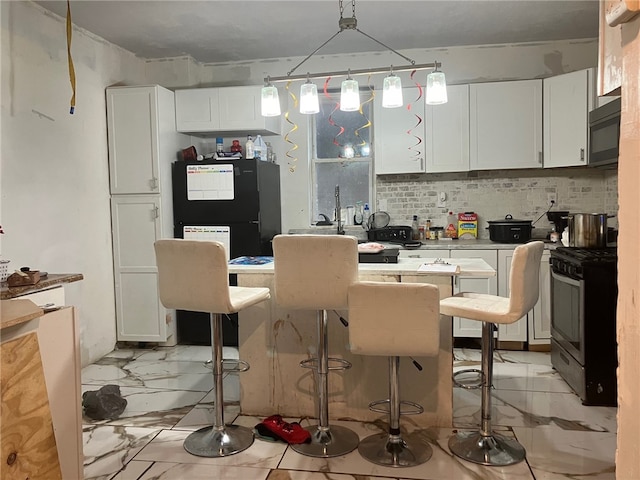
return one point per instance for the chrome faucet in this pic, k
(338, 212)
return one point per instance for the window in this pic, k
(341, 155)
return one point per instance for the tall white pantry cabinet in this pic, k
(143, 144)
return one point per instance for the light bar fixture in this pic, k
(436, 90)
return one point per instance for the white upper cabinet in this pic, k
(447, 132)
(224, 110)
(399, 134)
(567, 101)
(142, 139)
(506, 125)
(197, 110)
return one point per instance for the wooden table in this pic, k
(274, 341)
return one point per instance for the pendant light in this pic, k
(309, 103)
(270, 101)
(436, 88)
(349, 95)
(392, 91)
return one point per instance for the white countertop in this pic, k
(469, 267)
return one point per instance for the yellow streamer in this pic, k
(72, 71)
(294, 127)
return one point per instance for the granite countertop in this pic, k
(473, 244)
(50, 281)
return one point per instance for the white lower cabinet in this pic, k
(463, 327)
(140, 316)
(534, 328)
(540, 316)
(517, 331)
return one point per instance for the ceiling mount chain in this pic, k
(348, 23)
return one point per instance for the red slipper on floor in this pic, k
(291, 433)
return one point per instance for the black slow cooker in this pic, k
(510, 230)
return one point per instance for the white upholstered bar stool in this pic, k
(394, 320)
(314, 272)
(485, 446)
(193, 275)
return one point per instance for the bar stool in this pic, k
(314, 272)
(394, 319)
(485, 446)
(193, 275)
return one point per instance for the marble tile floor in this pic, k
(169, 395)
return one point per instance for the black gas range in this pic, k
(584, 293)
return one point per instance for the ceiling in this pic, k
(212, 31)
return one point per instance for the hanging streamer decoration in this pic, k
(414, 150)
(294, 146)
(331, 121)
(361, 142)
(72, 71)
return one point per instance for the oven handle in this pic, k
(562, 278)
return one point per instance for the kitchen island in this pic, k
(274, 341)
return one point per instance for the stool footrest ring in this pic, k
(415, 408)
(313, 363)
(238, 365)
(469, 386)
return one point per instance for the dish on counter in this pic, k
(370, 247)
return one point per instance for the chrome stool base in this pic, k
(210, 442)
(332, 442)
(394, 450)
(492, 450)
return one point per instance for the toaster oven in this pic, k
(399, 234)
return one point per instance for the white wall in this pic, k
(461, 65)
(54, 185)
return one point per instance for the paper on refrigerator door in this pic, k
(210, 182)
(218, 234)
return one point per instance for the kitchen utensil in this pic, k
(510, 230)
(588, 230)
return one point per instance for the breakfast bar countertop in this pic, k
(469, 267)
(50, 281)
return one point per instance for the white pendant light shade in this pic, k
(349, 96)
(436, 88)
(392, 92)
(270, 101)
(309, 103)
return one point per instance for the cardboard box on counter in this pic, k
(467, 225)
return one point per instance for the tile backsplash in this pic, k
(493, 194)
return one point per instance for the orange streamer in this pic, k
(331, 121)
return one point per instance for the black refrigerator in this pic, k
(236, 202)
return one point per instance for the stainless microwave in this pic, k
(604, 134)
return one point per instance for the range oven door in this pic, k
(567, 314)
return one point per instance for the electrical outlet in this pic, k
(442, 200)
(382, 204)
(551, 199)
